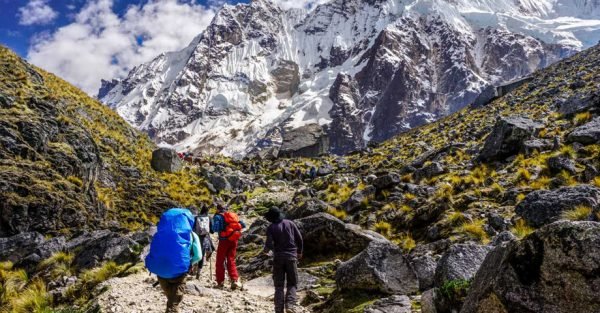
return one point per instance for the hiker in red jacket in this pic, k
(229, 227)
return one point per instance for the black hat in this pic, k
(274, 215)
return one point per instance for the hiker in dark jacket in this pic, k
(285, 240)
(202, 227)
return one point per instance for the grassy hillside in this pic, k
(67, 162)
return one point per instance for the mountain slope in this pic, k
(367, 69)
(474, 180)
(68, 163)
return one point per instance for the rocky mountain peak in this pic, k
(258, 69)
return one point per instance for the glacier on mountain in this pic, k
(364, 70)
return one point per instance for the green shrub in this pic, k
(455, 290)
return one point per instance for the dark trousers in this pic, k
(285, 269)
(173, 289)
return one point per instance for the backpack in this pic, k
(202, 225)
(233, 229)
(169, 255)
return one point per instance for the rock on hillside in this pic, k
(553, 270)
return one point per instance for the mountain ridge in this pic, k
(259, 70)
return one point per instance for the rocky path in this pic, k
(135, 293)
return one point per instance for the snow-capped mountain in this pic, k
(363, 69)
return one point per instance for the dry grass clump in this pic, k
(578, 213)
(474, 230)
(383, 228)
(341, 214)
(582, 118)
(521, 229)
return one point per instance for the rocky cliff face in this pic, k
(368, 69)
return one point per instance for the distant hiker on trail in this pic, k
(202, 227)
(229, 227)
(313, 173)
(285, 240)
(173, 251)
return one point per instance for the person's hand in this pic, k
(299, 256)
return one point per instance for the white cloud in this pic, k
(36, 12)
(100, 44)
(299, 4)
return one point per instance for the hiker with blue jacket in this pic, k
(229, 227)
(174, 249)
(285, 240)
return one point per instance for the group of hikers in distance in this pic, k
(182, 245)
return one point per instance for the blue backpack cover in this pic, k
(169, 255)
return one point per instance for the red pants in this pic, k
(226, 253)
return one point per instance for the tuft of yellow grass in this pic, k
(474, 230)
(383, 228)
(521, 229)
(578, 213)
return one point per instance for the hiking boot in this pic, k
(220, 286)
(236, 285)
(293, 309)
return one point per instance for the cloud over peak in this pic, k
(101, 44)
(36, 12)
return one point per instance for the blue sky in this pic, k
(85, 41)
(17, 36)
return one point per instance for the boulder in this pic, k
(324, 170)
(559, 163)
(93, 248)
(307, 208)
(220, 183)
(16, 247)
(386, 181)
(325, 235)
(583, 100)
(424, 266)
(503, 237)
(429, 299)
(539, 145)
(460, 262)
(357, 199)
(428, 171)
(6, 101)
(586, 134)
(508, 137)
(393, 304)
(542, 207)
(381, 267)
(307, 141)
(554, 269)
(166, 160)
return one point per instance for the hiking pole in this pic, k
(210, 270)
